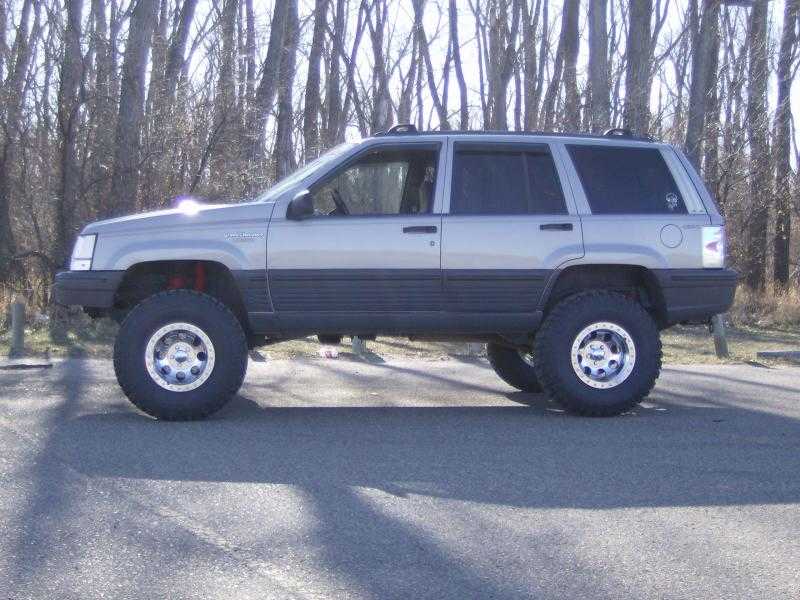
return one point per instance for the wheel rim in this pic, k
(527, 357)
(603, 355)
(179, 357)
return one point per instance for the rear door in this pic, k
(509, 223)
(369, 258)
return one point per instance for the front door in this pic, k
(369, 258)
(509, 225)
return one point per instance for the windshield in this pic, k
(304, 171)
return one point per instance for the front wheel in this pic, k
(598, 353)
(180, 355)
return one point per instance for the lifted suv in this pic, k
(566, 254)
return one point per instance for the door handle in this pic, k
(556, 226)
(420, 229)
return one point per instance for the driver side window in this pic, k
(383, 182)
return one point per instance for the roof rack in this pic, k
(616, 132)
(399, 129)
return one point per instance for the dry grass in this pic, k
(767, 308)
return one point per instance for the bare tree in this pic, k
(12, 98)
(599, 106)
(224, 131)
(125, 181)
(502, 57)
(333, 92)
(530, 66)
(419, 8)
(259, 111)
(463, 112)
(757, 127)
(782, 146)
(569, 33)
(706, 48)
(69, 102)
(285, 161)
(311, 133)
(636, 115)
(177, 47)
(381, 118)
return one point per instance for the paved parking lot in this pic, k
(406, 479)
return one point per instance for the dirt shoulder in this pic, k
(682, 344)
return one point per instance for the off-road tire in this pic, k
(511, 368)
(552, 348)
(203, 311)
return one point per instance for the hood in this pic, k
(188, 215)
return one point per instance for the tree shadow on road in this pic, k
(689, 445)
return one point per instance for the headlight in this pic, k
(83, 252)
(713, 247)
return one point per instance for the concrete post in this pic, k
(17, 328)
(359, 346)
(720, 339)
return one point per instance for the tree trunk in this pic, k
(311, 134)
(259, 112)
(68, 122)
(572, 109)
(463, 112)
(333, 93)
(381, 118)
(783, 130)
(125, 181)
(636, 114)
(703, 79)
(419, 9)
(11, 98)
(224, 122)
(284, 150)
(600, 108)
(177, 49)
(755, 239)
(530, 23)
(551, 95)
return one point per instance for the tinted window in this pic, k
(383, 182)
(626, 180)
(498, 181)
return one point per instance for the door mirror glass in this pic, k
(301, 206)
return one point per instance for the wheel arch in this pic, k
(145, 279)
(629, 279)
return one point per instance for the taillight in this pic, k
(713, 247)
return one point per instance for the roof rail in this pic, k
(618, 132)
(400, 128)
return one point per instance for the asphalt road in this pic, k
(407, 479)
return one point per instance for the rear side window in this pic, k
(502, 181)
(626, 180)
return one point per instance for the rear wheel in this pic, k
(180, 355)
(513, 366)
(598, 353)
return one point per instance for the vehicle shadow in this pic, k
(672, 454)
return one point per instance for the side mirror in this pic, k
(301, 206)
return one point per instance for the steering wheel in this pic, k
(341, 207)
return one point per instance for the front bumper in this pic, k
(696, 295)
(94, 289)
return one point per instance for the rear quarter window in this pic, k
(623, 180)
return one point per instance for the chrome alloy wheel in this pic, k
(603, 355)
(179, 357)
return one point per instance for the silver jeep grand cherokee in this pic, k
(566, 254)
